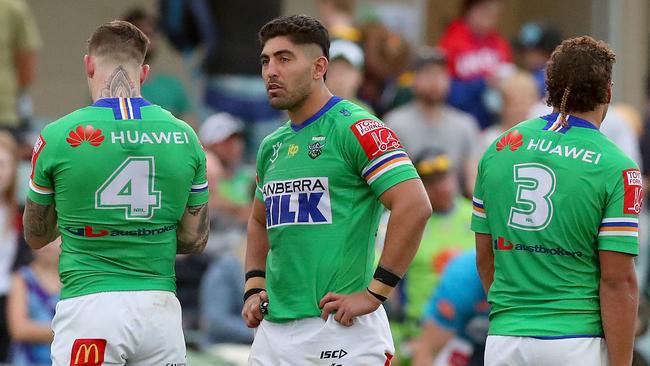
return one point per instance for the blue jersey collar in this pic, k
(123, 108)
(330, 103)
(553, 123)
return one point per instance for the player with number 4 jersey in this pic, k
(556, 208)
(124, 184)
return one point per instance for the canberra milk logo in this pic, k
(303, 201)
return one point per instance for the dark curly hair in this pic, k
(578, 75)
(301, 29)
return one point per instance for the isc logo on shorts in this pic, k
(304, 201)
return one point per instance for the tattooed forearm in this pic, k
(40, 224)
(119, 85)
(193, 230)
(194, 210)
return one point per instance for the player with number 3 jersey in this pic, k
(124, 184)
(556, 208)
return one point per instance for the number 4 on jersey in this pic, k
(131, 187)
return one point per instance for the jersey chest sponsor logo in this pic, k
(88, 352)
(85, 133)
(303, 201)
(153, 138)
(375, 137)
(503, 244)
(570, 152)
(633, 184)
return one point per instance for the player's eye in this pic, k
(285, 59)
(264, 62)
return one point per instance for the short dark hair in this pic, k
(301, 29)
(578, 74)
(119, 40)
(137, 15)
(467, 5)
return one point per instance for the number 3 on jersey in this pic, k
(131, 187)
(535, 186)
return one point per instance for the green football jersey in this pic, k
(320, 182)
(552, 197)
(120, 173)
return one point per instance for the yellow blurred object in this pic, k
(439, 164)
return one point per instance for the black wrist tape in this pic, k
(377, 296)
(386, 277)
(252, 292)
(255, 273)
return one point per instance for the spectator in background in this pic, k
(226, 33)
(456, 318)
(386, 58)
(519, 93)
(476, 53)
(160, 88)
(446, 234)
(221, 298)
(12, 245)
(345, 71)
(221, 135)
(31, 306)
(338, 17)
(19, 41)
(535, 43)
(429, 122)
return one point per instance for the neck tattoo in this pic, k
(119, 85)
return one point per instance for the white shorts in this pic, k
(515, 351)
(115, 328)
(313, 341)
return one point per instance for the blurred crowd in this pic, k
(447, 102)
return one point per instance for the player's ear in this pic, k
(320, 67)
(89, 66)
(144, 73)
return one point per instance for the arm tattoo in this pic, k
(119, 85)
(194, 210)
(40, 221)
(195, 242)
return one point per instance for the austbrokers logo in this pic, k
(91, 232)
(87, 133)
(512, 140)
(501, 244)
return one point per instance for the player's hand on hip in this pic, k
(348, 307)
(251, 311)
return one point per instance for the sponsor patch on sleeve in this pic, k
(633, 184)
(375, 137)
(38, 147)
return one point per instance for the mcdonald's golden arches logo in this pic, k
(88, 352)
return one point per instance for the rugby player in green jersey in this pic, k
(124, 184)
(556, 208)
(323, 180)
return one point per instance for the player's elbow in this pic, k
(193, 243)
(34, 241)
(619, 282)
